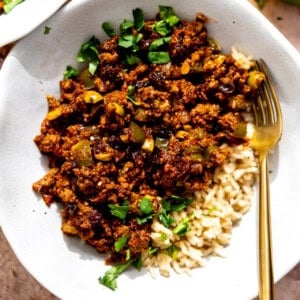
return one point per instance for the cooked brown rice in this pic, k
(211, 217)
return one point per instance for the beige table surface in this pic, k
(17, 284)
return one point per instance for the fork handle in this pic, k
(266, 282)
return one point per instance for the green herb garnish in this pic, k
(169, 204)
(139, 19)
(173, 251)
(47, 30)
(110, 277)
(120, 243)
(70, 72)
(145, 206)
(182, 228)
(119, 211)
(146, 209)
(89, 53)
(126, 26)
(168, 19)
(108, 29)
(159, 42)
(158, 57)
(10, 4)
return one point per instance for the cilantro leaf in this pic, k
(168, 19)
(144, 219)
(47, 30)
(146, 209)
(126, 26)
(182, 228)
(110, 277)
(169, 204)
(162, 28)
(132, 59)
(120, 243)
(158, 57)
(173, 251)
(165, 218)
(138, 19)
(159, 42)
(145, 206)
(108, 29)
(176, 203)
(89, 53)
(167, 14)
(137, 263)
(119, 211)
(10, 4)
(70, 72)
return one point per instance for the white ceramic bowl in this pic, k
(67, 267)
(25, 17)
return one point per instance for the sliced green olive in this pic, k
(192, 149)
(92, 97)
(137, 133)
(82, 153)
(117, 108)
(161, 143)
(208, 151)
(87, 79)
(255, 78)
(241, 130)
(54, 114)
(148, 144)
(182, 134)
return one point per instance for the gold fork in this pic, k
(267, 133)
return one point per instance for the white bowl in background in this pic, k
(25, 17)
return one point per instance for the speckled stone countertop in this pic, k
(17, 284)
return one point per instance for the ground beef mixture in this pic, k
(140, 130)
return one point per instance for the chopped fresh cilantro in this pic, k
(158, 57)
(163, 237)
(127, 41)
(146, 209)
(144, 219)
(162, 28)
(182, 227)
(137, 263)
(110, 277)
(169, 204)
(108, 29)
(152, 250)
(132, 59)
(168, 19)
(139, 19)
(126, 26)
(159, 42)
(165, 218)
(130, 95)
(173, 251)
(167, 14)
(145, 206)
(47, 30)
(70, 72)
(89, 53)
(119, 211)
(176, 203)
(120, 243)
(10, 4)
(130, 41)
